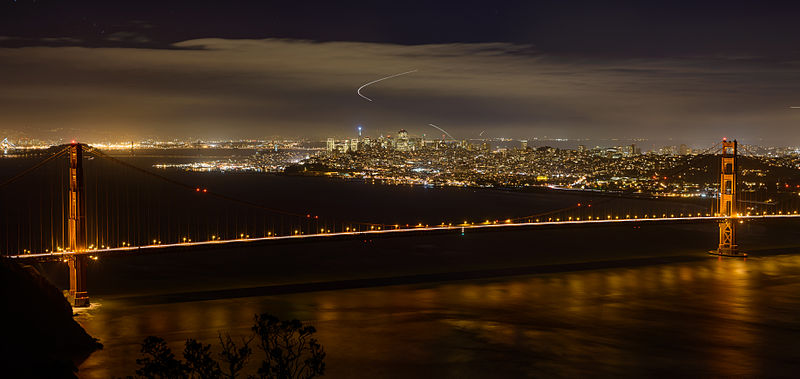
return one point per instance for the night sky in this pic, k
(690, 71)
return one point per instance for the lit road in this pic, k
(382, 232)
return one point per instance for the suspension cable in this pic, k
(33, 168)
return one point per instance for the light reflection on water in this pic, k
(712, 317)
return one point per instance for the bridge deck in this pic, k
(381, 232)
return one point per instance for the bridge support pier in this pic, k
(78, 295)
(727, 238)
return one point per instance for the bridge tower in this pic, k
(78, 295)
(727, 200)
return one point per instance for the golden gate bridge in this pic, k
(82, 218)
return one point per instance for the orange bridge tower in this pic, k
(727, 201)
(78, 295)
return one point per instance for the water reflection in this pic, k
(714, 317)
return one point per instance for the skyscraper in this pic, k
(402, 140)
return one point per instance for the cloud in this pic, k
(48, 41)
(217, 88)
(128, 37)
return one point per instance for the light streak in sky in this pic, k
(358, 91)
(442, 130)
(481, 134)
(795, 107)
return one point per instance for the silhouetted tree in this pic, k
(199, 362)
(289, 348)
(158, 361)
(290, 352)
(234, 357)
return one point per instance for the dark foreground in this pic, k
(39, 336)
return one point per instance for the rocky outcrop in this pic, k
(39, 336)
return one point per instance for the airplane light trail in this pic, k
(358, 91)
(443, 131)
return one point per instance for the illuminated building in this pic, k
(402, 140)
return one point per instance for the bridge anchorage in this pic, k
(727, 202)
